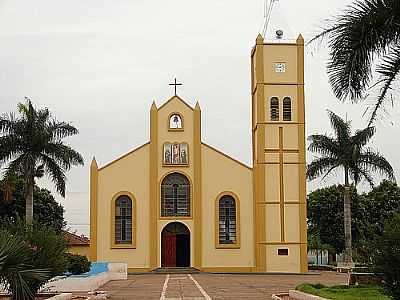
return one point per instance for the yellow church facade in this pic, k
(179, 202)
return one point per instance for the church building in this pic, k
(176, 201)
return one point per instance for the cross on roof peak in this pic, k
(175, 84)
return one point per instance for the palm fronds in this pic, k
(15, 273)
(321, 166)
(365, 32)
(32, 146)
(389, 71)
(348, 152)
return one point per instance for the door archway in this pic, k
(175, 246)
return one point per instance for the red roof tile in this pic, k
(74, 239)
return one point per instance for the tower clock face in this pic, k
(280, 67)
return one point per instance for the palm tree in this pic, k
(350, 154)
(16, 275)
(366, 34)
(32, 145)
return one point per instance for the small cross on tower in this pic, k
(175, 84)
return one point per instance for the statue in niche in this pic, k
(184, 156)
(175, 121)
(176, 154)
(167, 154)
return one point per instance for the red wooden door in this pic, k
(168, 250)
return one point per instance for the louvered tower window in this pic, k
(227, 220)
(287, 109)
(274, 108)
(123, 220)
(175, 196)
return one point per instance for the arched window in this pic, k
(287, 109)
(227, 220)
(274, 108)
(123, 220)
(175, 121)
(175, 196)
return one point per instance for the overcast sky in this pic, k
(100, 65)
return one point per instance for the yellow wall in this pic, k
(222, 174)
(164, 135)
(175, 105)
(279, 161)
(286, 264)
(273, 222)
(275, 53)
(278, 91)
(130, 174)
(271, 207)
(80, 249)
(292, 223)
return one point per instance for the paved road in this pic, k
(206, 286)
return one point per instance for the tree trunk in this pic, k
(29, 202)
(347, 221)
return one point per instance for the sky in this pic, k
(100, 65)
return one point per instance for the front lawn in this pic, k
(344, 292)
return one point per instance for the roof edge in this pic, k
(227, 156)
(179, 98)
(123, 156)
(73, 239)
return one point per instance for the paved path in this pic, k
(206, 286)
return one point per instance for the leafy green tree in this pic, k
(46, 210)
(369, 211)
(378, 206)
(381, 203)
(16, 271)
(365, 35)
(386, 257)
(325, 215)
(32, 145)
(350, 154)
(315, 243)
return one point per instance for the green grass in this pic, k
(344, 292)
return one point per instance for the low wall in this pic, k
(296, 295)
(365, 279)
(63, 296)
(116, 271)
(283, 296)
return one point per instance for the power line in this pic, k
(267, 15)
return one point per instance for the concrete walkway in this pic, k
(212, 286)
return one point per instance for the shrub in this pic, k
(47, 249)
(77, 264)
(17, 274)
(387, 255)
(318, 286)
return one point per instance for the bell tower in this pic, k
(278, 134)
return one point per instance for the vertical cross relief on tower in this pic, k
(279, 148)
